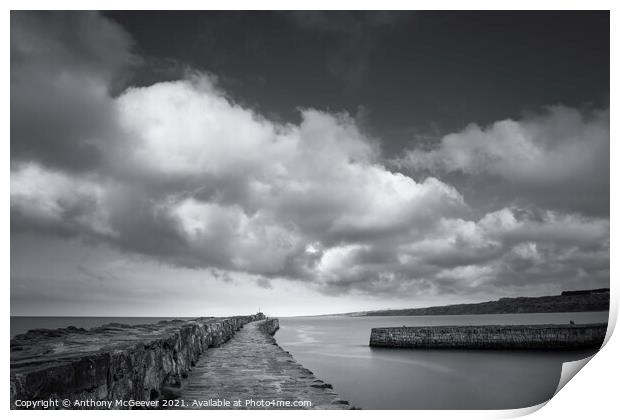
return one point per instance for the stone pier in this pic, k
(170, 364)
(255, 371)
(114, 361)
(508, 337)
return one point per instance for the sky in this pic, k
(215, 163)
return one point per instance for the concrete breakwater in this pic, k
(509, 337)
(114, 361)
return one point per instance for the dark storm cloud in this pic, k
(184, 174)
(354, 36)
(63, 67)
(424, 73)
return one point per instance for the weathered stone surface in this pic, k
(114, 361)
(252, 366)
(508, 337)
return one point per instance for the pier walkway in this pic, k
(251, 371)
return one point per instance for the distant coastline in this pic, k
(570, 301)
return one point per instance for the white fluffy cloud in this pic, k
(240, 192)
(187, 177)
(560, 158)
(54, 199)
(217, 185)
(265, 191)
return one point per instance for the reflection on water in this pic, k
(336, 349)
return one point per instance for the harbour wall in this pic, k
(509, 337)
(270, 326)
(115, 361)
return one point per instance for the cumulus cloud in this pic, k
(181, 174)
(52, 200)
(559, 159)
(509, 248)
(238, 191)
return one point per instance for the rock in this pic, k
(322, 386)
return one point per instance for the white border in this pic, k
(592, 395)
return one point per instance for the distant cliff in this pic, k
(584, 301)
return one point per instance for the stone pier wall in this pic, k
(115, 361)
(270, 326)
(491, 337)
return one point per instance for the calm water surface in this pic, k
(336, 349)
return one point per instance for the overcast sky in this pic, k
(181, 164)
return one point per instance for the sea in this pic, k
(336, 349)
